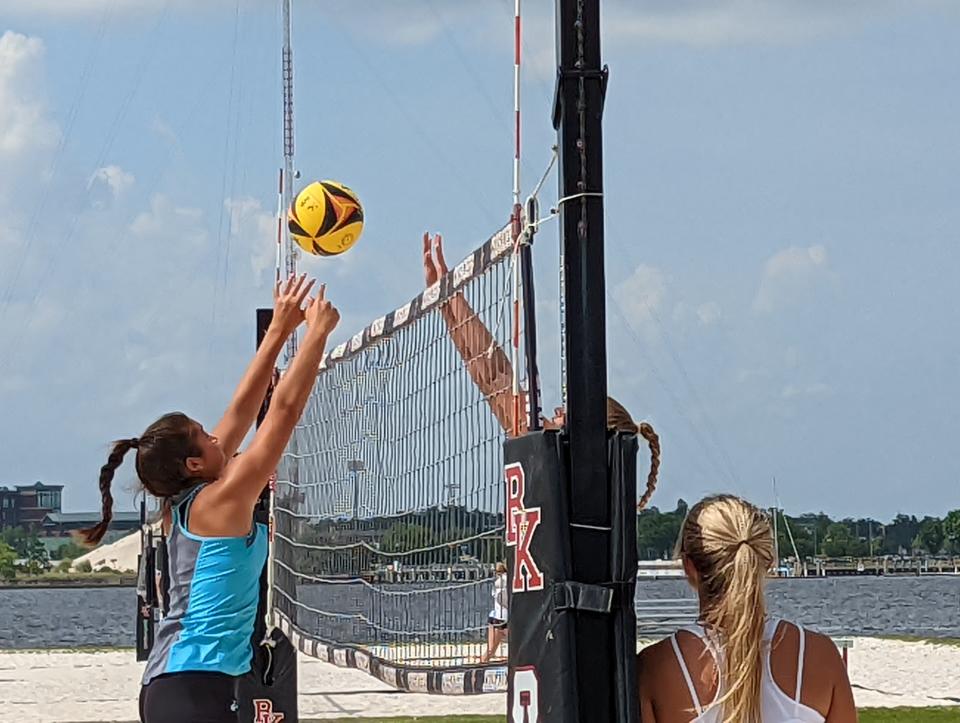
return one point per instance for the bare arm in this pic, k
(224, 507)
(645, 687)
(487, 363)
(253, 386)
(843, 709)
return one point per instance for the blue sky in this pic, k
(783, 236)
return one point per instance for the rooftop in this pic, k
(35, 486)
(87, 518)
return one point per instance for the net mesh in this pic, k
(389, 499)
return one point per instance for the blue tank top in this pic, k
(214, 591)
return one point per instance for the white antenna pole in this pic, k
(291, 253)
(286, 250)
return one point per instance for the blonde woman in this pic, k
(737, 665)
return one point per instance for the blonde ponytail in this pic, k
(730, 544)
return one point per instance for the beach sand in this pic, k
(72, 686)
(118, 555)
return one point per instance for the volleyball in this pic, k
(325, 218)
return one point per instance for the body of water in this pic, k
(923, 606)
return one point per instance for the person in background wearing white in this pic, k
(497, 622)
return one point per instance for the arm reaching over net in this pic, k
(487, 363)
(492, 372)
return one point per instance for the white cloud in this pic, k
(692, 22)
(27, 138)
(164, 216)
(680, 311)
(688, 22)
(9, 239)
(24, 125)
(487, 27)
(720, 22)
(817, 389)
(13, 383)
(736, 22)
(164, 131)
(78, 8)
(44, 314)
(791, 357)
(642, 294)
(787, 275)
(170, 311)
(115, 178)
(709, 313)
(752, 375)
(256, 234)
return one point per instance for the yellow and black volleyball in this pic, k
(325, 218)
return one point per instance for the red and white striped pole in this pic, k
(515, 219)
(516, 111)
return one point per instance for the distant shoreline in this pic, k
(79, 580)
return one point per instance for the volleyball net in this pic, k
(389, 502)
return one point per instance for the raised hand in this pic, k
(288, 303)
(434, 265)
(322, 317)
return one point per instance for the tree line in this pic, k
(22, 552)
(819, 535)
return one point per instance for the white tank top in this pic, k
(500, 611)
(775, 705)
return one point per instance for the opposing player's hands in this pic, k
(434, 265)
(288, 303)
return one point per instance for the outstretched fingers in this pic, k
(302, 293)
(294, 284)
(440, 263)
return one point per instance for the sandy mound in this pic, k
(120, 555)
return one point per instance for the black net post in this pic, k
(269, 691)
(146, 587)
(530, 316)
(555, 675)
(572, 621)
(577, 118)
(622, 456)
(264, 317)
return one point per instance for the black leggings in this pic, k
(189, 698)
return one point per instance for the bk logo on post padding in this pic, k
(263, 711)
(522, 523)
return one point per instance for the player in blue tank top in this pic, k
(216, 552)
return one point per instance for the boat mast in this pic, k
(786, 524)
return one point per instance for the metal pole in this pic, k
(578, 112)
(516, 224)
(356, 466)
(530, 319)
(577, 116)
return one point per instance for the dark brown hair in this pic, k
(162, 452)
(619, 418)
